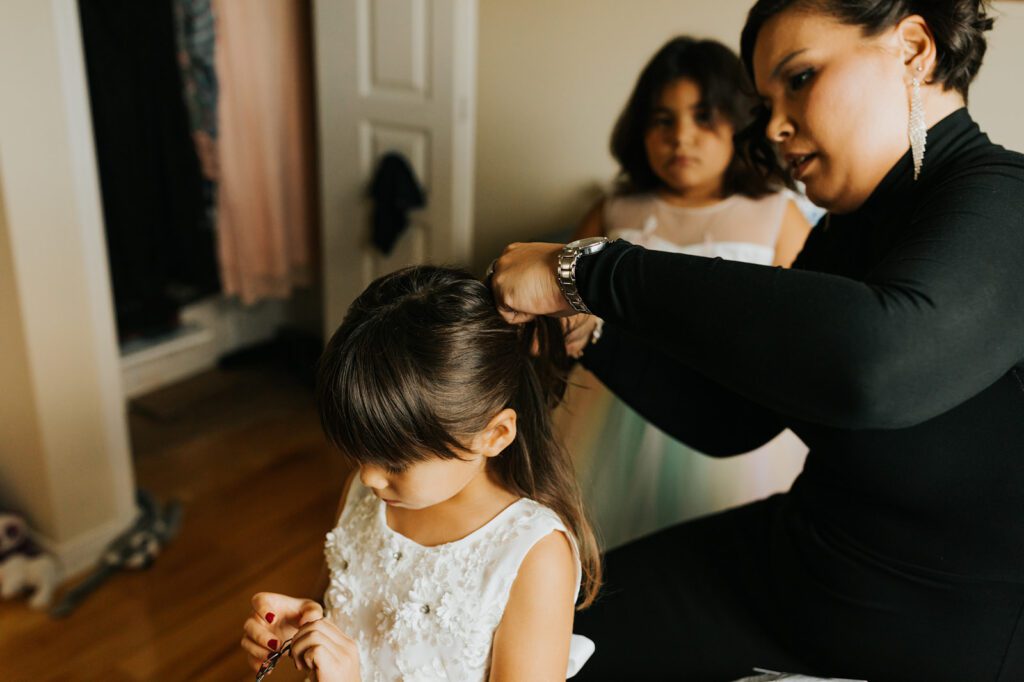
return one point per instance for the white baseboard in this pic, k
(82, 553)
(189, 351)
(210, 328)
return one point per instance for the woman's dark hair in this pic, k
(423, 361)
(725, 91)
(958, 27)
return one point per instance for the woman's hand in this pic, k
(322, 647)
(524, 282)
(275, 619)
(578, 330)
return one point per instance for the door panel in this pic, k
(393, 75)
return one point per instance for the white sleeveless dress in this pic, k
(635, 478)
(422, 613)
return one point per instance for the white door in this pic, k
(393, 75)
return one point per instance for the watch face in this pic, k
(587, 245)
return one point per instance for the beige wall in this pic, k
(553, 75)
(997, 100)
(64, 458)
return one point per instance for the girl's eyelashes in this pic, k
(662, 121)
(800, 79)
(389, 469)
(702, 116)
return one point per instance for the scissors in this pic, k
(270, 662)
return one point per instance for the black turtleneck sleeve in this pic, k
(678, 400)
(935, 314)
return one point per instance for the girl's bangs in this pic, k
(374, 414)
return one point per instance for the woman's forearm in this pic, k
(940, 318)
(678, 400)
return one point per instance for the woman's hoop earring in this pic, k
(917, 129)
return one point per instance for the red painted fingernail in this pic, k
(272, 644)
(270, 618)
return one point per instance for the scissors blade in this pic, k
(268, 666)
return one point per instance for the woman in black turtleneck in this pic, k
(894, 349)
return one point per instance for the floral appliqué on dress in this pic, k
(426, 613)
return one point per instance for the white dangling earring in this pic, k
(917, 129)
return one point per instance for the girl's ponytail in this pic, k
(542, 341)
(536, 464)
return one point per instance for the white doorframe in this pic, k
(67, 464)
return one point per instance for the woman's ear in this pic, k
(917, 45)
(497, 435)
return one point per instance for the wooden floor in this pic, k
(244, 453)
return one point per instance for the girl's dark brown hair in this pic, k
(423, 360)
(725, 92)
(958, 26)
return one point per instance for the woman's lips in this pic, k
(800, 163)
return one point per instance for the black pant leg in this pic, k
(687, 603)
(760, 586)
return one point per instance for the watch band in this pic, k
(565, 272)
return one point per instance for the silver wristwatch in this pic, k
(565, 272)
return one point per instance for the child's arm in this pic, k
(792, 235)
(592, 224)
(276, 618)
(532, 640)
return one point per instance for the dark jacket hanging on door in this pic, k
(395, 192)
(159, 240)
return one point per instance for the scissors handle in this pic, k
(271, 661)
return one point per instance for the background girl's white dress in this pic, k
(429, 613)
(635, 478)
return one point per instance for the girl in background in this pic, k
(681, 188)
(462, 542)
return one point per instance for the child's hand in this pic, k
(578, 330)
(322, 647)
(275, 619)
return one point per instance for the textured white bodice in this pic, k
(738, 228)
(429, 613)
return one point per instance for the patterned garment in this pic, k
(195, 35)
(429, 613)
(196, 38)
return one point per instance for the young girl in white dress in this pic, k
(683, 188)
(461, 549)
